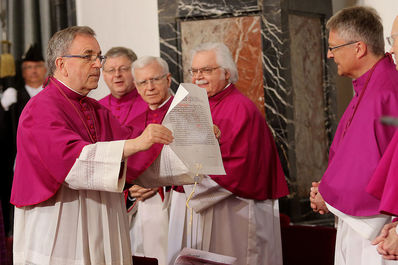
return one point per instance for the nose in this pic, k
(330, 54)
(199, 74)
(151, 84)
(118, 72)
(97, 63)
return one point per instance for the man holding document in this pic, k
(234, 214)
(70, 166)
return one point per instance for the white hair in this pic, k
(147, 60)
(223, 57)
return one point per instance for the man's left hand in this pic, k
(388, 248)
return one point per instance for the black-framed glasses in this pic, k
(122, 69)
(204, 70)
(89, 57)
(156, 80)
(391, 39)
(342, 45)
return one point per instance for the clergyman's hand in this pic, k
(217, 132)
(154, 133)
(387, 242)
(140, 193)
(316, 200)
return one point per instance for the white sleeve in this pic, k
(99, 168)
(8, 98)
(206, 194)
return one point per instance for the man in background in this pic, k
(384, 183)
(356, 44)
(13, 101)
(235, 214)
(124, 101)
(126, 104)
(149, 226)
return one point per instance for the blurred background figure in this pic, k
(30, 83)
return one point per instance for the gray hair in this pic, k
(359, 23)
(60, 43)
(223, 57)
(147, 60)
(119, 52)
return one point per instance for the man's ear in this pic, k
(361, 49)
(227, 74)
(168, 79)
(60, 65)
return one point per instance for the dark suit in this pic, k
(8, 130)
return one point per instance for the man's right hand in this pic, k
(154, 133)
(140, 193)
(8, 98)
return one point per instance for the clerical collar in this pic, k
(161, 105)
(125, 98)
(70, 88)
(33, 91)
(226, 86)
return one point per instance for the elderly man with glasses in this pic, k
(124, 101)
(149, 224)
(357, 47)
(235, 214)
(384, 182)
(131, 110)
(71, 164)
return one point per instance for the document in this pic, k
(195, 151)
(189, 256)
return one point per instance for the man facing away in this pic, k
(235, 214)
(13, 101)
(383, 184)
(70, 166)
(356, 44)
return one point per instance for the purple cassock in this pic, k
(142, 160)
(384, 183)
(126, 109)
(53, 129)
(361, 140)
(248, 149)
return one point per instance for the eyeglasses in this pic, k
(391, 39)
(122, 69)
(89, 57)
(342, 45)
(204, 70)
(155, 80)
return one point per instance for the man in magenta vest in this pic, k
(131, 110)
(356, 44)
(149, 225)
(384, 181)
(235, 214)
(124, 101)
(70, 166)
